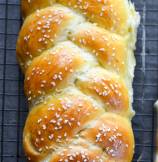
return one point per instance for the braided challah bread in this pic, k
(78, 61)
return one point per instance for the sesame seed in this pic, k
(29, 158)
(65, 134)
(72, 119)
(51, 136)
(39, 132)
(65, 121)
(78, 123)
(71, 70)
(40, 149)
(39, 120)
(44, 127)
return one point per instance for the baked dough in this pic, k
(78, 61)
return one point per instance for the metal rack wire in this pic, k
(13, 109)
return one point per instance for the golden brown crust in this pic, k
(28, 6)
(77, 56)
(50, 125)
(106, 13)
(107, 87)
(75, 153)
(114, 134)
(110, 49)
(56, 122)
(39, 32)
(48, 71)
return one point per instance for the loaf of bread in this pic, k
(78, 61)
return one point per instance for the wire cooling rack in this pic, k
(13, 107)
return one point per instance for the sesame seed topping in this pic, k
(78, 123)
(51, 136)
(44, 127)
(39, 132)
(39, 120)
